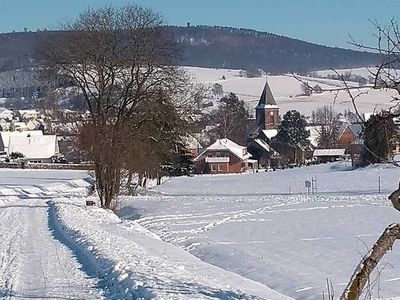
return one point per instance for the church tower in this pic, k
(267, 112)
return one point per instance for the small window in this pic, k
(220, 168)
(272, 119)
(213, 167)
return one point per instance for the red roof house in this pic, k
(222, 157)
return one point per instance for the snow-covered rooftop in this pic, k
(227, 144)
(34, 147)
(329, 152)
(264, 145)
(270, 133)
(6, 135)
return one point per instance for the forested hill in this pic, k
(217, 47)
(246, 49)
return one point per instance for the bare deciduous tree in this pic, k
(120, 59)
(327, 127)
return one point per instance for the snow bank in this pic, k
(134, 263)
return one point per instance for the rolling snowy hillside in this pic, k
(287, 91)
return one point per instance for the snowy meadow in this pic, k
(288, 92)
(266, 227)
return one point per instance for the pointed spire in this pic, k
(266, 97)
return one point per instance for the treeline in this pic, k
(216, 47)
(224, 47)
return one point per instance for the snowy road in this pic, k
(33, 263)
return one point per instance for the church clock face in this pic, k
(271, 113)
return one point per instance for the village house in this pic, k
(328, 155)
(266, 156)
(6, 114)
(36, 149)
(35, 146)
(27, 114)
(224, 156)
(350, 134)
(36, 124)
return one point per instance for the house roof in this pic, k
(329, 152)
(40, 146)
(265, 146)
(19, 124)
(6, 135)
(227, 144)
(356, 129)
(270, 133)
(5, 113)
(266, 97)
(27, 111)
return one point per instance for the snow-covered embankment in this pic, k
(131, 262)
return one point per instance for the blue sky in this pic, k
(326, 22)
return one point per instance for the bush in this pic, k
(16, 155)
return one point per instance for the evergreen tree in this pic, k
(379, 133)
(292, 130)
(231, 119)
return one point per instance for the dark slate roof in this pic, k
(356, 129)
(266, 97)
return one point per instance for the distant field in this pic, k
(251, 225)
(287, 89)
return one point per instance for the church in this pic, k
(267, 113)
(264, 128)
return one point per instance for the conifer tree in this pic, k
(292, 130)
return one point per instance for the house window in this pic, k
(213, 167)
(220, 168)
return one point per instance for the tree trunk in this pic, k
(108, 178)
(363, 271)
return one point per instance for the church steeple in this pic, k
(267, 112)
(266, 97)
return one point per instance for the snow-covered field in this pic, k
(53, 247)
(266, 228)
(248, 236)
(41, 184)
(287, 89)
